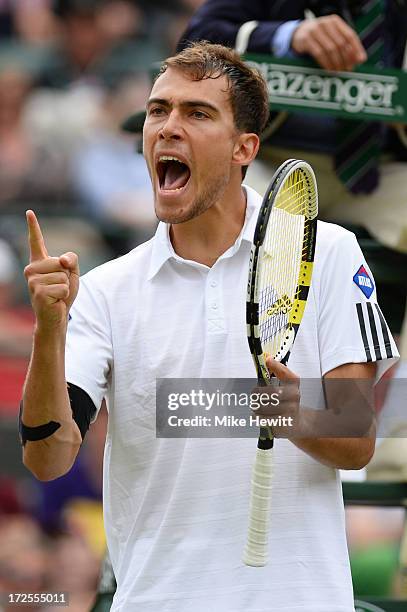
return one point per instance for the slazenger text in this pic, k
(351, 94)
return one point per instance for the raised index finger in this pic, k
(35, 238)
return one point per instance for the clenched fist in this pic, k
(53, 282)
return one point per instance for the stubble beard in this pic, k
(212, 194)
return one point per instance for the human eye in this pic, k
(198, 114)
(155, 111)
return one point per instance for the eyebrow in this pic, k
(185, 104)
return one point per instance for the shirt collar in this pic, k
(162, 248)
(252, 209)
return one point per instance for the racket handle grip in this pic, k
(256, 550)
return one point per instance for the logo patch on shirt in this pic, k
(364, 282)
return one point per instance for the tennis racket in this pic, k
(280, 271)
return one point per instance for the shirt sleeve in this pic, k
(281, 43)
(352, 328)
(89, 353)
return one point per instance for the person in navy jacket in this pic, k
(281, 28)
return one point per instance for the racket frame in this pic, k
(256, 550)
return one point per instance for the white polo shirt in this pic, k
(176, 510)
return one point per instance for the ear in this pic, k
(245, 149)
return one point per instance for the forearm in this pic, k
(340, 453)
(355, 429)
(343, 434)
(46, 399)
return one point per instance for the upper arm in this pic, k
(89, 347)
(354, 370)
(351, 327)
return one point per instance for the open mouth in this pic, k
(173, 174)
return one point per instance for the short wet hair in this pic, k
(248, 90)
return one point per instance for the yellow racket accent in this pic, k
(306, 270)
(297, 312)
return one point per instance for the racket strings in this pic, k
(298, 200)
(301, 194)
(276, 305)
(284, 250)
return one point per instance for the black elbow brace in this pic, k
(83, 409)
(32, 434)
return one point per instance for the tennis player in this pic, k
(176, 509)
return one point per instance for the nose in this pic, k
(171, 128)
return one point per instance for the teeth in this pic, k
(173, 190)
(169, 158)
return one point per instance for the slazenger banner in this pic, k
(367, 93)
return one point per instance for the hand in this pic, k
(53, 282)
(285, 386)
(332, 43)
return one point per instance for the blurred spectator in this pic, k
(29, 20)
(121, 19)
(31, 563)
(62, 120)
(15, 334)
(34, 23)
(6, 19)
(72, 568)
(9, 498)
(39, 132)
(15, 323)
(373, 538)
(83, 42)
(100, 45)
(110, 177)
(23, 556)
(71, 509)
(101, 41)
(168, 19)
(30, 168)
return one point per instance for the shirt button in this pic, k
(214, 305)
(214, 283)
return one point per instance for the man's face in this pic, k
(191, 121)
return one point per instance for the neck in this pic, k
(206, 237)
